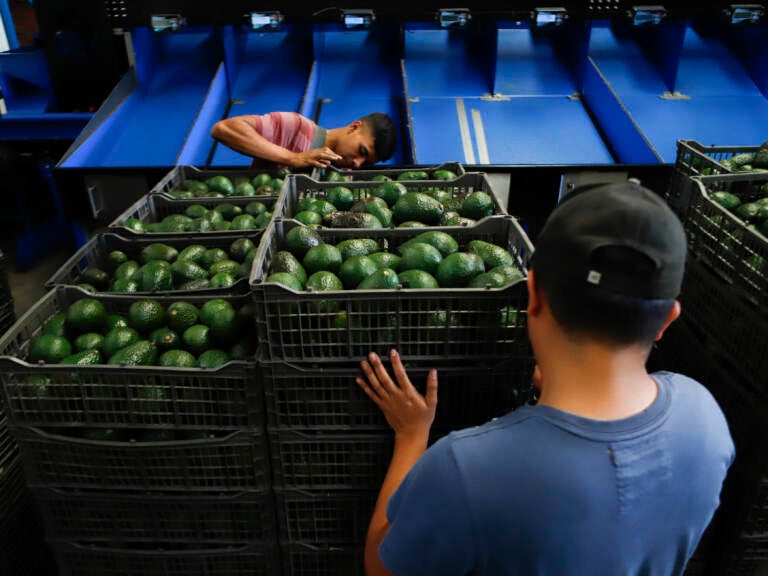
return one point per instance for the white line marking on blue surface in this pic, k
(482, 144)
(466, 138)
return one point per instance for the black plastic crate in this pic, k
(298, 187)
(328, 398)
(132, 520)
(715, 235)
(178, 174)
(235, 462)
(750, 557)
(7, 315)
(113, 396)
(734, 330)
(155, 207)
(323, 517)
(322, 174)
(305, 559)
(329, 461)
(255, 559)
(696, 159)
(96, 251)
(474, 323)
(13, 491)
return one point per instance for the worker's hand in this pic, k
(319, 157)
(407, 411)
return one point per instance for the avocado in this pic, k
(419, 207)
(83, 358)
(49, 348)
(457, 270)
(158, 251)
(141, 353)
(97, 277)
(492, 254)
(349, 219)
(155, 275)
(117, 339)
(285, 261)
(357, 247)
(300, 239)
(382, 279)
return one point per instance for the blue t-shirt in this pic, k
(543, 492)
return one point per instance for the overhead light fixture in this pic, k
(358, 19)
(265, 20)
(647, 15)
(548, 17)
(167, 22)
(453, 17)
(746, 13)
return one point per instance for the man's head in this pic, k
(366, 141)
(609, 262)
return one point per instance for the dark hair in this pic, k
(384, 134)
(591, 312)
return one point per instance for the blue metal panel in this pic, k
(447, 63)
(750, 45)
(720, 103)
(709, 68)
(626, 138)
(540, 130)
(199, 142)
(25, 81)
(622, 61)
(151, 126)
(275, 63)
(528, 65)
(723, 121)
(358, 63)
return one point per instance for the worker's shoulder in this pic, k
(512, 422)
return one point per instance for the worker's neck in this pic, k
(596, 381)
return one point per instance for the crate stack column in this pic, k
(721, 338)
(329, 443)
(149, 466)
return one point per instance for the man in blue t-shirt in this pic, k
(615, 472)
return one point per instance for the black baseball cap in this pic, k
(625, 215)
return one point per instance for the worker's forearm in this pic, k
(237, 134)
(406, 452)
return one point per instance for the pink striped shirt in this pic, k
(290, 130)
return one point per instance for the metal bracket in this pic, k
(745, 13)
(358, 19)
(647, 15)
(91, 190)
(265, 20)
(453, 17)
(674, 96)
(548, 17)
(167, 22)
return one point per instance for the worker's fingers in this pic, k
(400, 374)
(373, 380)
(381, 373)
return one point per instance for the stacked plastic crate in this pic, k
(7, 310)
(722, 336)
(22, 545)
(146, 469)
(329, 444)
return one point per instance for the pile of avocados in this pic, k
(431, 259)
(160, 266)
(151, 332)
(390, 204)
(219, 217)
(221, 186)
(754, 213)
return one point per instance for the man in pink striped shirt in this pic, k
(288, 139)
